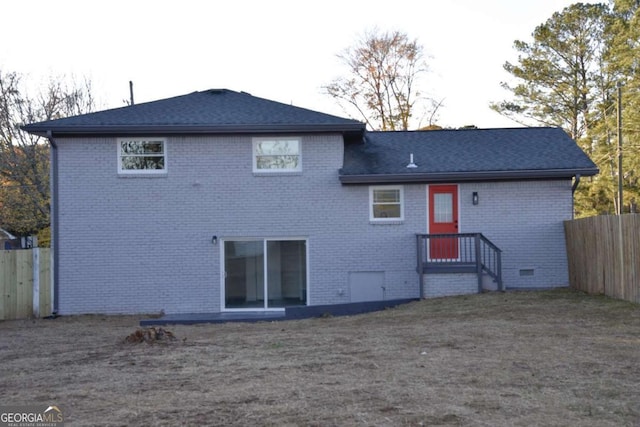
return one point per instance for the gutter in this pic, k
(152, 130)
(7, 234)
(54, 221)
(431, 177)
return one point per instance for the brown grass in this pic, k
(557, 358)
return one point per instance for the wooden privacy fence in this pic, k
(25, 283)
(604, 255)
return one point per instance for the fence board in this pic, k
(45, 282)
(604, 255)
(16, 284)
(24, 284)
(4, 283)
(631, 252)
(9, 277)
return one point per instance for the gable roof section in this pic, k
(464, 155)
(215, 111)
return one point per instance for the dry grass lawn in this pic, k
(557, 358)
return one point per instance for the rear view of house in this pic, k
(221, 201)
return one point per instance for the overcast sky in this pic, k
(275, 49)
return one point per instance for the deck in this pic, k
(459, 253)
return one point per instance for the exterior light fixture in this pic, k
(475, 198)
(214, 240)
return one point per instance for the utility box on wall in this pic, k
(366, 286)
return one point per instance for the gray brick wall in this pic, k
(524, 219)
(444, 285)
(143, 244)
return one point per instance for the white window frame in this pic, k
(400, 189)
(122, 171)
(257, 140)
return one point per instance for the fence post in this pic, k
(621, 284)
(36, 282)
(420, 242)
(478, 261)
(53, 283)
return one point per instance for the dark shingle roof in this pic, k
(210, 111)
(465, 155)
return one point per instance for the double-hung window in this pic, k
(142, 155)
(386, 203)
(276, 155)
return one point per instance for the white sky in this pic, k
(276, 49)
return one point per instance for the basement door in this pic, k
(264, 274)
(443, 219)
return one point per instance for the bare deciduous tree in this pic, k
(381, 86)
(24, 158)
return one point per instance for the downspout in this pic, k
(54, 220)
(574, 187)
(576, 182)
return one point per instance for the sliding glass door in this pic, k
(246, 284)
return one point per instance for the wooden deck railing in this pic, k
(459, 253)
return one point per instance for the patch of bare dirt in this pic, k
(150, 335)
(553, 358)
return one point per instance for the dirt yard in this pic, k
(556, 358)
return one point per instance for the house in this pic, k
(6, 239)
(221, 201)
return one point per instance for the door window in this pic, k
(443, 207)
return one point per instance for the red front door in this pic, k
(443, 219)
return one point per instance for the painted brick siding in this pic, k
(524, 219)
(143, 244)
(444, 285)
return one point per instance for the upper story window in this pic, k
(142, 155)
(276, 155)
(386, 203)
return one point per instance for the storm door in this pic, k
(265, 274)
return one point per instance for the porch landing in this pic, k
(290, 313)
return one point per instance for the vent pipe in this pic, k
(411, 165)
